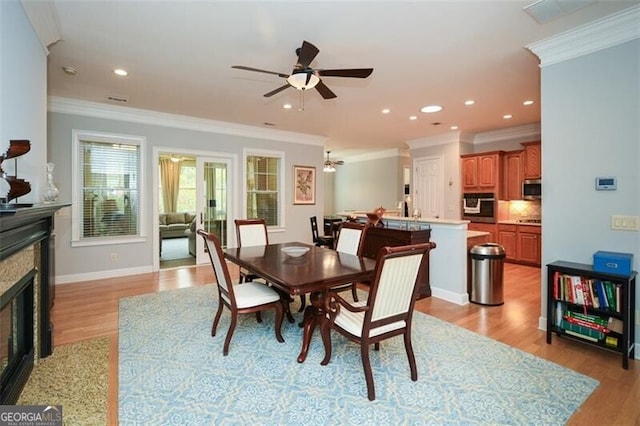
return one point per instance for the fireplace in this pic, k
(16, 335)
(26, 293)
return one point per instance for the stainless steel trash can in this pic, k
(487, 266)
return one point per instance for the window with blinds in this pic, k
(263, 188)
(107, 181)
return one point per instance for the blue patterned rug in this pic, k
(171, 371)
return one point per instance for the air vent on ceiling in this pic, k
(121, 99)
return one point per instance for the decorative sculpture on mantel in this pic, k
(17, 187)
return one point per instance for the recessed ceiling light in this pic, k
(454, 127)
(469, 102)
(413, 117)
(121, 72)
(287, 106)
(431, 108)
(386, 111)
(527, 102)
(70, 70)
(507, 116)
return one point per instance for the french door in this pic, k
(213, 201)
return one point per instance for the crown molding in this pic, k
(524, 133)
(135, 115)
(442, 139)
(387, 153)
(609, 31)
(44, 21)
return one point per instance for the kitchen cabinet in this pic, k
(529, 243)
(532, 160)
(522, 243)
(513, 175)
(508, 239)
(485, 227)
(482, 172)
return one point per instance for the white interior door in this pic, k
(428, 187)
(213, 202)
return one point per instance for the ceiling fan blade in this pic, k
(276, 91)
(325, 91)
(307, 53)
(354, 73)
(242, 67)
(338, 163)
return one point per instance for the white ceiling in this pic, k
(179, 56)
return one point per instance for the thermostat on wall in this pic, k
(606, 183)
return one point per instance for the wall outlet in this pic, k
(625, 223)
(114, 257)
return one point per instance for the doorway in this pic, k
(201, 189)
(428, 187)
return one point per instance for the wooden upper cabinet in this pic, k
(470, 172)
(482, 172)
(532, 160)
(513, 175)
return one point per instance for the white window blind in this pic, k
(107, 181)
(263, 188)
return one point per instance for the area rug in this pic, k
(171, 371)
(75, 376)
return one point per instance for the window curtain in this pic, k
(170, 180)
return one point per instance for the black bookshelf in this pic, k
(624, 311)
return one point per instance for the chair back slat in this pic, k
(314, 228)
(351, 238)
(395, 286)
(223, 278)
(393, 291)
(251, 232)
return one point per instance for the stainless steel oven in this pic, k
(479, 207)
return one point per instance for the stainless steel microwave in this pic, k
(532, 189)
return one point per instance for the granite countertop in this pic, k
(474, 234)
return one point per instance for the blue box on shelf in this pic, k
(611, 262)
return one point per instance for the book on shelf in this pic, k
(581, 331)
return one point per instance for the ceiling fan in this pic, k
(303, 77)
(329, 166)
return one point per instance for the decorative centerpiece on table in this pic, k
(375, 218)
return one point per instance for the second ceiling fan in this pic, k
(303, 77)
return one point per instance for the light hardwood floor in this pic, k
(90, 309)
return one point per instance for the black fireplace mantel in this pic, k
(20, 228)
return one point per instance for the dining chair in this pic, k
(242, 298)
(351, 242)
(250, 232)
(253, 232)
(389, 308)
(351, 237)
(320, 240)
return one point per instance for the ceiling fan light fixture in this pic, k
(329, 168)
(303, 80)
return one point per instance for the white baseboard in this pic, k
(111, 273)
(449, 296)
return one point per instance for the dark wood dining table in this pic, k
(314, 272)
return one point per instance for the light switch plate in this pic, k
(625, 223)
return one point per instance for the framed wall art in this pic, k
(304, 185)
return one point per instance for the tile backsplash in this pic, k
(521, 209)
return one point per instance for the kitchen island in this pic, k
(447, 262)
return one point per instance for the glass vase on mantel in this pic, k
(50, 191)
